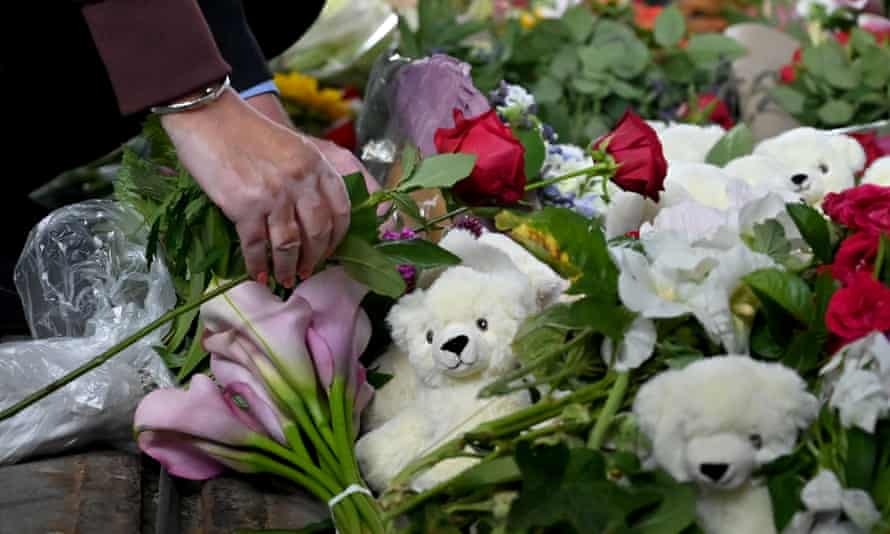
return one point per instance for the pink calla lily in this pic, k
(179, 455)
(340, 330)
(277, 328)
(232, 365)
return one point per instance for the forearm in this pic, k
(155, 51)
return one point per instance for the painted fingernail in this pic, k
(262, 278)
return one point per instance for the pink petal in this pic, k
(334, 298)
(874, 23)
(364, 391)
(179, 455)
(199, 411)
(322, 356)
(276, 327)
(259, 408)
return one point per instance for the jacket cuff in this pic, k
(154, 52)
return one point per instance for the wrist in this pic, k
(196, 100)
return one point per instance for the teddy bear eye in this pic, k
(756, 440)
(429, 336)
(823, 168)
(482, 324)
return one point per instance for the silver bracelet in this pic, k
(208, 95)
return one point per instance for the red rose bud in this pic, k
(797, 57)
(865, 207)
(719, 111)
(856, 254)
(343, 134)
(842, 37)
(787, 74)
(859, 309)
(635, 147)
(499, 174)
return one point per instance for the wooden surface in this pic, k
(110, 492)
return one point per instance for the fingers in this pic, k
(316, 228)
(284, 234)
(334, 192)
(254, 239)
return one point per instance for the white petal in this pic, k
(627, 211)
(861, 509)
(637, 346)
(824, 493)
(860, 398)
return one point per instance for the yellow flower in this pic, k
(528, 20)
(303, 90)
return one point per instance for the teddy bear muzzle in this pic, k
(458, 355)
(720, 461)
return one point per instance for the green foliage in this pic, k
(838, 85)
(443, 170)
(737, 143)
(769, 238)
(814, 228)
(586, 68)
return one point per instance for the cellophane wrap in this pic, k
(86, 285)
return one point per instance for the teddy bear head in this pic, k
(768, 174)
(462, 325)
(817, 161)
(687, 142)
(717, 420)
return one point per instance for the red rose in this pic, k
(719, 112)
(865, 207)
(635, 147)
(797, 57)
(869, 143)
(787, 74)
(499, 174)
(343, 133)
(842, 37)
(856, 254)
(859, 309)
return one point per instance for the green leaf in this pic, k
(443, 170)
(408, 205)
(369, 266)
(861, 458)
(362, 222)
(418, 252)
(670, 27)
(565, 63)
(709, 48)
(763, 343)
(769, 238)
(784, 491)
(674, 514)
(788, 99)
(408, 41)
(561, 485)
(535, 151)
(488, 473)
(579, 21)
(573, 245)
(548, 90)
(836, 112)
(829, 62)
(786, 289)
(409, 160)
(606, 318)
(814, 228)
(736, 143)
(195, 355)
(804, 353)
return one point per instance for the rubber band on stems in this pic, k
(351, 489)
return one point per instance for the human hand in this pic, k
(272, 182)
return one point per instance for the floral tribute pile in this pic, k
(718, 360)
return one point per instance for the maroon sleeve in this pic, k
(154, 50)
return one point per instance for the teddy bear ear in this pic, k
(548, 286)
(850, 149)
(404, 316)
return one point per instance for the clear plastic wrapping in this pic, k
(86, 285)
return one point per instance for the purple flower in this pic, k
(409, 274)
(427, 92)
(471, 224)
(405, 235)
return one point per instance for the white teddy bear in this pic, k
(818, 161)
(687, 142)
(718, 420)
(878, 173)
(450, 340)
(768, 174)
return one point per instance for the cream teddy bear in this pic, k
(718, 420)
(687, 142)
(817, 162)
(450, 340)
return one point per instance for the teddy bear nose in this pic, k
(456, 344)
(798, 179)
(714, 471)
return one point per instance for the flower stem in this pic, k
(595, 169)
(441, 218)
(295, 440)
(881, 257)
(613, 403)
(116, 349)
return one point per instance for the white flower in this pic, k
(805, 7)
(857, 381)
(519, 97)
(637, 346)
(626, 212)
(825, 500)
